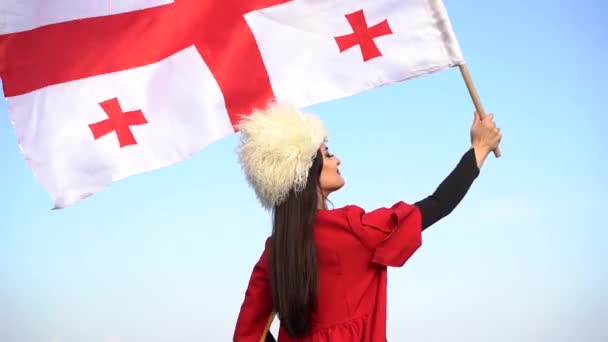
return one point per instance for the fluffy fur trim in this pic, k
(277, 149)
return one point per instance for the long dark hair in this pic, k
(293, 258)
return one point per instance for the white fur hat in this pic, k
(277, 148)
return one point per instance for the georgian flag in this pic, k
(101, 90)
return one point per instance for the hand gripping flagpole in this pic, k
(475, 97)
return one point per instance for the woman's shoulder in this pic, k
(339, 210)
(339, 214)
(354, 216)
(393, 232)
(357, 210)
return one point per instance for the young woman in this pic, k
(324, 271)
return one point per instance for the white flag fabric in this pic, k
(383, 42)
(99, 91)
(80, 144)
(23, 15)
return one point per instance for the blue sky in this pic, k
(166, 255)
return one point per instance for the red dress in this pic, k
(354, 249)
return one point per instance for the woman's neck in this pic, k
(322, 200)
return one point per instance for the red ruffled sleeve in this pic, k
(257, 305)
(392, 234)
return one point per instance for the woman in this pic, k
(323, 271)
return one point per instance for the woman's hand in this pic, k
(485, 137)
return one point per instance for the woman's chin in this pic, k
(339, 186)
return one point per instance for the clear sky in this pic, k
(166, 255)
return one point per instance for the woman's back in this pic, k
(354, 249)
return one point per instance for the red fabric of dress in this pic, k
(354, 249)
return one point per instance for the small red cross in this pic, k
(119, 122)
(363, 35)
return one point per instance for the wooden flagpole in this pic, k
(267, 327)
(475, 97)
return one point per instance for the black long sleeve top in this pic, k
(450, 192)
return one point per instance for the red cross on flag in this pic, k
(101, 90)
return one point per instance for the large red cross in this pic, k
(82, 48)
(119, 122)
(363, 35)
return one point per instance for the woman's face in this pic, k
(330, 179)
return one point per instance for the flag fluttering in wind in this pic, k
(101, 90)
